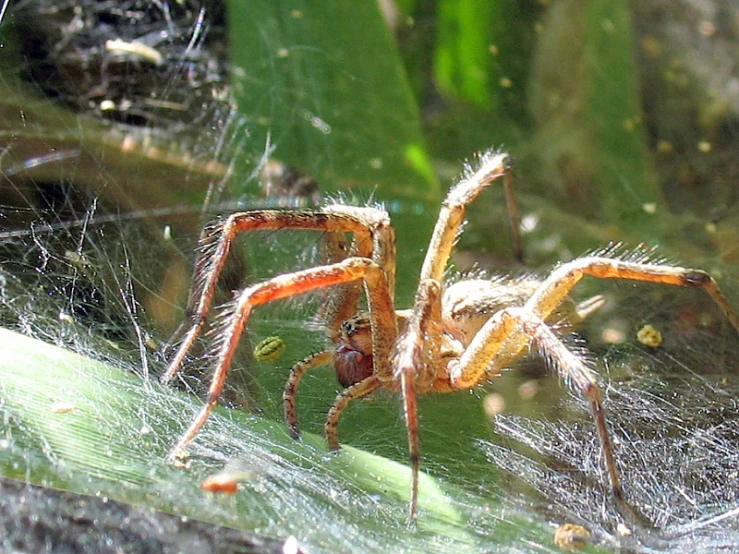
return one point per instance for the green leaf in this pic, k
(589, 145)
(462, 60)
(627, 182)
(324, 84)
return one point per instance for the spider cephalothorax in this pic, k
(455, 336)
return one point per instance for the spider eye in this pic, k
(348, 328)
(354, 326)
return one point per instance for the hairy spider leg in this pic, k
(374, 239)
(340, 303)
(291, 387)
(377, 243)
(418, 361)
(414, 371)
(561, 281)
(357, 390)
(493, 165)
(509, 331)
(382, 316)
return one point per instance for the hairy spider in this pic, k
(455, 336)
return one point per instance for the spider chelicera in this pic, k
(455, 337)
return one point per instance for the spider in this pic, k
(456, 336)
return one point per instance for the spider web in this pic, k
(674, 449)
(81, 273)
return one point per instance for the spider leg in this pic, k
(357, 390)
(493, 166)
(410, 410)
(509, 331)
(341, 303)
(501, 340)
(284, 286)
(416, 361)
(561, 281)
(376, 242)
(503, 337)
(418, 351)
(574, 369)
(291, 387)
(374, 239)
(213, 248)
